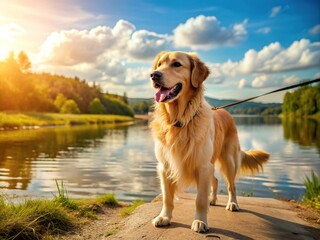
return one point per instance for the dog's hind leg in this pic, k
(230, 172)
(213, 198)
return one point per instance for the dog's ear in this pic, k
(155, 63)
(199, 71)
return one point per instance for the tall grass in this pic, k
(312, 192)
(63, 198)
(34, 219)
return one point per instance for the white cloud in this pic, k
(291, 80)
(102, 54)
(137, 76)
(120, 55)
(145, 45)
(242, 83)
(275, 11)
(205, 33)
(273, 58)
(78, 46)
(315, 30)
(264, 30)
(269, 65)
(264, 80)
(71, 47)
(11, 29)
(122, 32)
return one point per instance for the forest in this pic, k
(24, 91)
(304, 101)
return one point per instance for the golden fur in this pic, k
(188, 151)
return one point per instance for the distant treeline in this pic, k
(21, 90)
(304, 101)
(251, 108)
(143, 106)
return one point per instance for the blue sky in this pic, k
(250, 46)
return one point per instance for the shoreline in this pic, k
(30, 120)
(34, 120)
(105, 217)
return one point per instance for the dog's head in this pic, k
(175, 74)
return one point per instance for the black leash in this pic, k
(274, 91)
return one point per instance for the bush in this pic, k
(116, 106)
(70, 106)
(96, 107)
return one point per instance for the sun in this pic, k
(9, 33)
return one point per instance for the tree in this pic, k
(24, 62)
(70, 106)
(286, 106)
(11, 67)
(60, 100)
(302, 102)
(308, 101)
(96, 107)
(125, 98)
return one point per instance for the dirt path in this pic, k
(259, 218)
(108, 223)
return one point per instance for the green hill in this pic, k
(24, 91)
(247, 107)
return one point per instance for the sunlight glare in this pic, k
(9, 34)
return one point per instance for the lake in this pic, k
(94, 160)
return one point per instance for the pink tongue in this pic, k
(161, 95)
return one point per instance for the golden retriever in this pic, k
(190, 138)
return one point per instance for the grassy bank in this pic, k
(312, 194)
(10, 120)
(45, 219)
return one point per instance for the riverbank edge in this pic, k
(33, 120)
(95, 211)
(294, 116)
(41, 218)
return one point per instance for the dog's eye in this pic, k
(159, 64)
(176, 64)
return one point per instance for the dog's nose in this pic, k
(156, 76)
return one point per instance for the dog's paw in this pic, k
(213, 202)
(199, 226)
(232, 206)
(161, 221)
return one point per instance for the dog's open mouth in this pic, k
(166, 94)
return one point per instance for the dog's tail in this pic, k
(252, 161)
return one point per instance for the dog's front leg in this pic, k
(200, 223)
(168, 189)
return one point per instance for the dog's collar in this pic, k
(178, 124)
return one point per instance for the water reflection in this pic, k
(95, 160)
(21, 150)
(91, 160)
(294, 149)
(305, 132)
